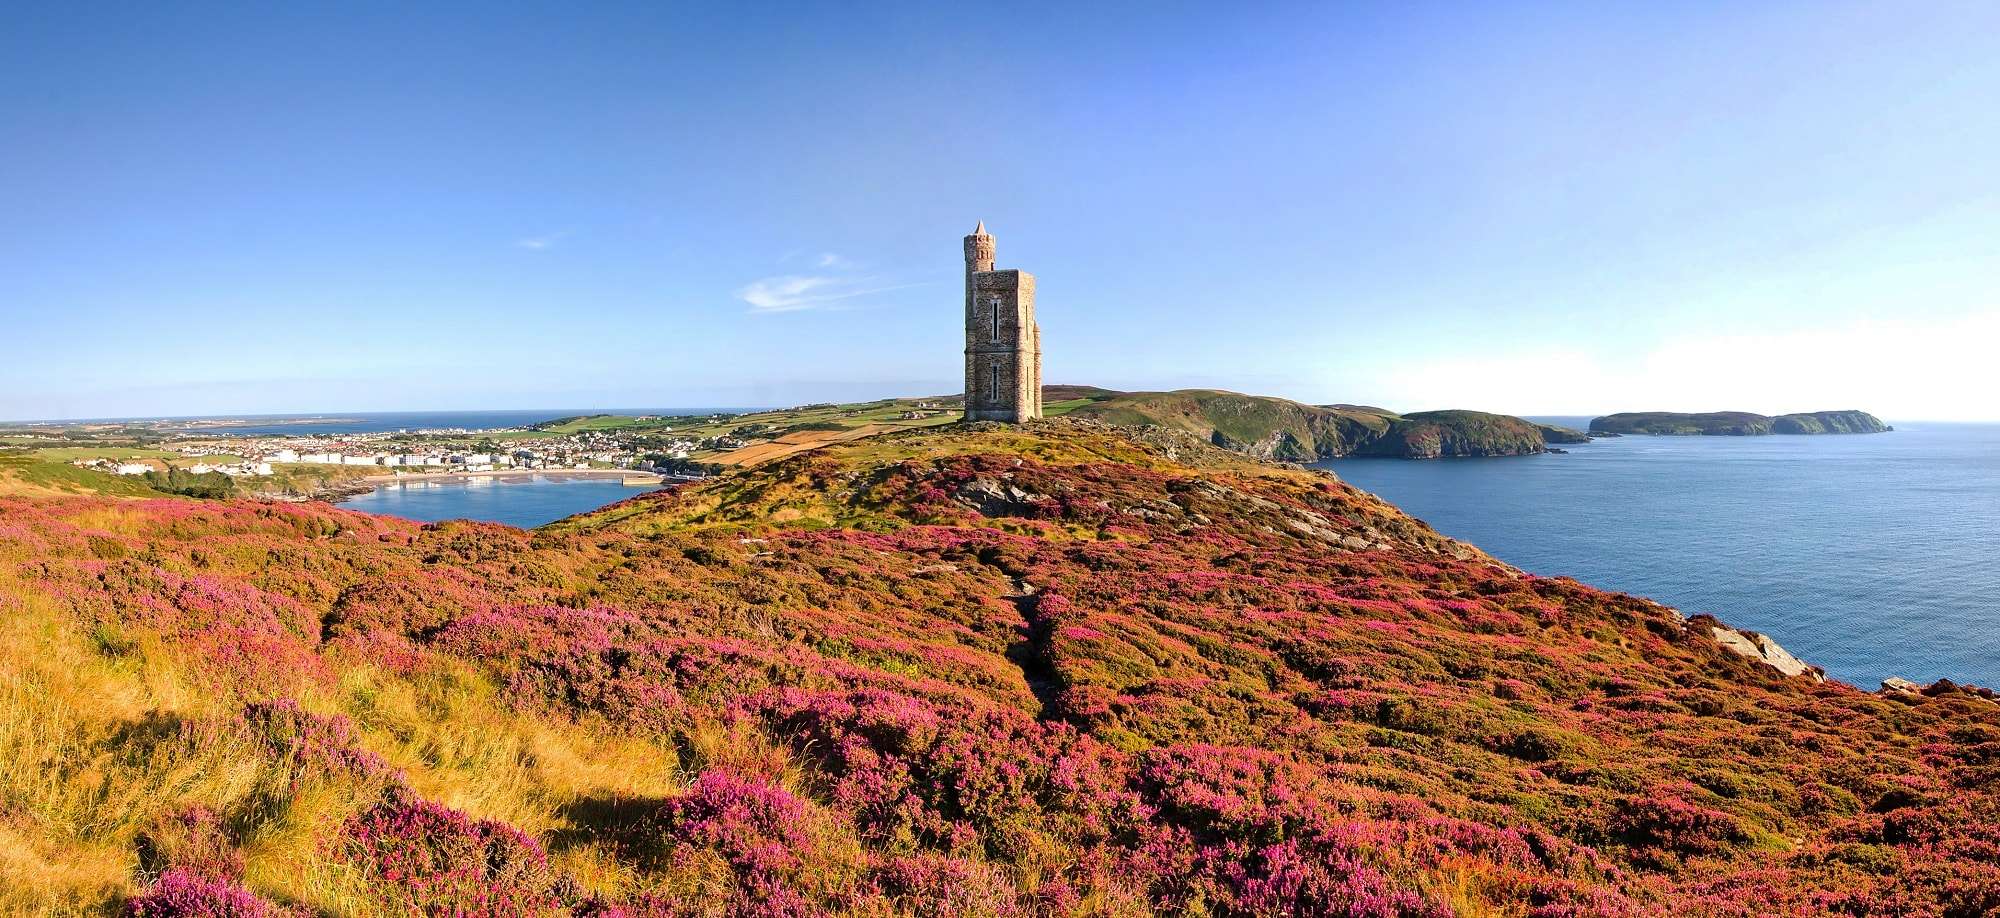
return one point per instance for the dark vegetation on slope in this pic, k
(1276, 428)
(211, 485)
(993, 671)
(1736, 423)
(1555, 434)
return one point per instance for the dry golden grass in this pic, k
(90, 758)
(792, 444)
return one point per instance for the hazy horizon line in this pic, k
(337, 414)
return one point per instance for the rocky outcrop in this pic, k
(1902, 689)
(1556, 433)
(997, 498)
(1897, 685)
(1760, 647)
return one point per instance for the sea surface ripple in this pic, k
(1870, 555)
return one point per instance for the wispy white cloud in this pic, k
(799, 292)
(822, 260)
(835, 282)
(785, 293)
(538, 243)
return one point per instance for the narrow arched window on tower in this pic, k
(993, 388)
(993, 306)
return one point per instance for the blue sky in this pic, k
(1534, 208)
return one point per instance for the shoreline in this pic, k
(557, 474)
(355, 487)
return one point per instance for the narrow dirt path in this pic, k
(1029, 652)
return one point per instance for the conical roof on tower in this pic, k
(979, 230)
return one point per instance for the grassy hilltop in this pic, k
(1062, 669)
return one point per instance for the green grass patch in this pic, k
(66, 453)
(39, 473)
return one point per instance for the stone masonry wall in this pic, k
(1003, 359)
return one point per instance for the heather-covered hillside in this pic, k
(974, 671)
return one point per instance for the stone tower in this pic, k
(1003, 345)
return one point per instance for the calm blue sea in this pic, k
(390, 421)
(523, 502)
(1871, 555)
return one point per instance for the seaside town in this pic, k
(421, 452)
(262, 458)
(203, 458)
(429, 452)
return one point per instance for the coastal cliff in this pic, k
(1276, 428)
(1828, 422)
(1554, 434)
(980, 670)
(1737, 423)
(1437, 434)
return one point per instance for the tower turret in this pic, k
(978, 250)
(978, 257)
(1003, 345)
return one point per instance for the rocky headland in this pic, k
(1736, 423)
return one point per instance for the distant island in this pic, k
(1736, 423)
(1277, 428)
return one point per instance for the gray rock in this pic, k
(1762, 649)
(994, 498)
